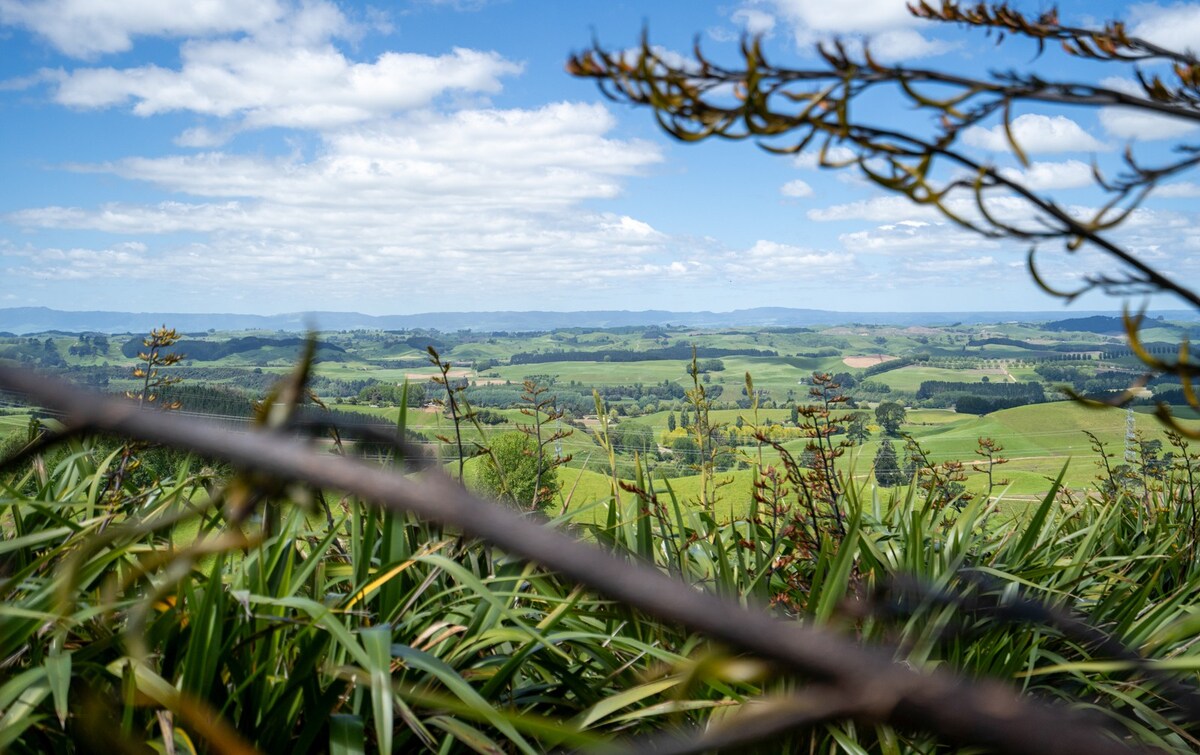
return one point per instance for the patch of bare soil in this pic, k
(427, 375)
(860, 362)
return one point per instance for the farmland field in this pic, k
(359, 375)
(910, 378)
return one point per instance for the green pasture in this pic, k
(362, 371)
(599, 373)
(933, 416)
(1037, 439)
(909, 378)
(13, 418)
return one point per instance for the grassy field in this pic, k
(910, 378)
(1038, 440)
(13, 419)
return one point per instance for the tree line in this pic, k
(210, 351)
(678, 351)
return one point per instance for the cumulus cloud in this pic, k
(265, 84)
(202, 137)
(915, 246)
(810, 159)
(796, 189)
(1176, 26)
(1041, 176)
(1006, 208)
(916, 238)
(886, 209)
(961, 264)
(252, 65)
(1126, 123)
(86, 28)
(906, 44)
(1035, 133)
(774, 260)
(754, 20)
(885, 24)
(1130, 123)
(1179, 190)
(120, 260)
(478, 195)
(866, 16)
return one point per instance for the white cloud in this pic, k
(773, 260)
(1041, 176)
(1127, 123)
(885, 23)
(85, 28)
(906, 44)
(916, 238)
(1035, 133)
(950, 265)
(633, 229)
(299, 86)
(668, 57)
(121, 260)
(202, 137)
(256, 65)
(1182, 189)
(796, 189)
(754, 21)
(487, 198)
(846, 18)
(1131, 123)
(1005, 208)
(887, 209)
(1176, 27)
(810, 159)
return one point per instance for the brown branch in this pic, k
(983, 713)
(757, 721)
(993, 600)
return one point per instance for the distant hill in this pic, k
(1103, 324)
(22, 320)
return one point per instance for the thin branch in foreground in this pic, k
(879, 690)
(992, 602)
(759, 721)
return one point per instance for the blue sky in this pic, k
(278, 156)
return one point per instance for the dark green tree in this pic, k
(887, 466)
(890, 416)
(685, 450)
(859, 431)
(632, 437)
(510, 472)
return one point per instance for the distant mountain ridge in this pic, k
(22, 320)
